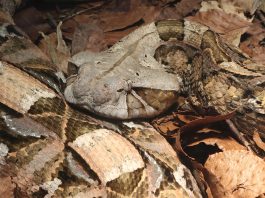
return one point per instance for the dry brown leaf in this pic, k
(258, 140)
(55, 48)
(240, 6)
(187, 131)
(179, 10)
(230, 26)
(168, 128)
(224, 144)
(168, 125)
(88, 37)
(187, 118)
(252, 45)
(202, 122)
(32, 25)
(112, 37)
(116, 21)
(6, 186)
(236, 173)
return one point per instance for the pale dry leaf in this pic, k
(61, 45)
(236, 173)
(209, 5)
(261, 196)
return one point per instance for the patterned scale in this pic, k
(40, 158)
(229, 88)
(218, 75)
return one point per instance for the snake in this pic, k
(194, 60)
(52, 149)
(59, 149)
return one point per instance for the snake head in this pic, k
(118, 97)
(125, 81)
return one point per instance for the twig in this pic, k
(238, 135)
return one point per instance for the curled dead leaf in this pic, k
(257, 139)
(224, 144)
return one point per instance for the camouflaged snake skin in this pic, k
(41, 134)
(216, 74)
(209, 70)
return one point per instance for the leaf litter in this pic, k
(226, 167)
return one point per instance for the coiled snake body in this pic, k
(50, 143)
(193, 60)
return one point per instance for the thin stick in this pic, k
(238, 135)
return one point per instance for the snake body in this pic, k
(61, 151)
(56, 150)
(213, 73)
